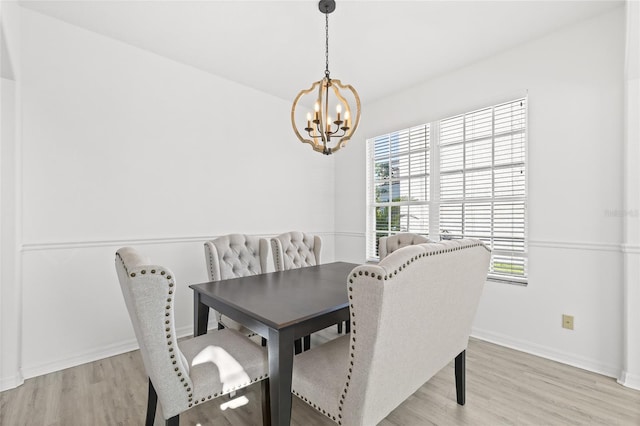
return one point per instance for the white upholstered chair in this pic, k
(293, 250)
(234, 256)
(387, 245)
(183, 374)
(423, 294)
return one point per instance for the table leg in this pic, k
(200, 315)
(280, 346)
(307, 342)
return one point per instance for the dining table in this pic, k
(281, 307)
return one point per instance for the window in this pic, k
(399, 183)
(479, 184)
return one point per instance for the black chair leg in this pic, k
(347, 327)
(297, 346)
(339, 327)
(152, 402)
(307, 342)
(173, 421)
(460, 377)
(266, 403)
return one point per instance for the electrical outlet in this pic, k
(567, 322)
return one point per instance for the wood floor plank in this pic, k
(504, 387)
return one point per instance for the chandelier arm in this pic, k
(336, 135)
(333, 134)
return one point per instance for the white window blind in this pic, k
(480, 184)
(398, 181)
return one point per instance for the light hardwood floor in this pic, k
(504, 387)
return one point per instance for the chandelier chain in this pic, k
(326, 27)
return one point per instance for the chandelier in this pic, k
(320, 130)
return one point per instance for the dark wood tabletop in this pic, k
(281, 307)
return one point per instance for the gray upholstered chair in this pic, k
(295, 250)
(234, 256)
(183, 374)
(423, 294)
(387, 245)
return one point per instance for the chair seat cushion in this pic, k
(222, 361)
(319, 375)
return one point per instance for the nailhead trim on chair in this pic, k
(311, 404)
(275, 244)
(353, 313)
(172, 356)
(206, 246)
(167, 322)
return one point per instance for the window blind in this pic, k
(479, 183)
(398, 184)
(483, 184)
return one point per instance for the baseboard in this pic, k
(94, 355)
(625, 378)
(548, 353)
(14, 381)
(630, 380)
(83, 358)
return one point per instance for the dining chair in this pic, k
(387, 245)
(293, 250)
(411, 315)
(233, 256)
(193, 371)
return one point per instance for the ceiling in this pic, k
(278, 46)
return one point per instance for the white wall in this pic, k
(124, 147)
(630, 375)
(10, 292)
(9, 297)
(574, 80)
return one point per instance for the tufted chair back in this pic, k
(148, 292)
(235, 255)
(387, 245)
(295, 249)
(411, 315)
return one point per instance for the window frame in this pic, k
(434, 199)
